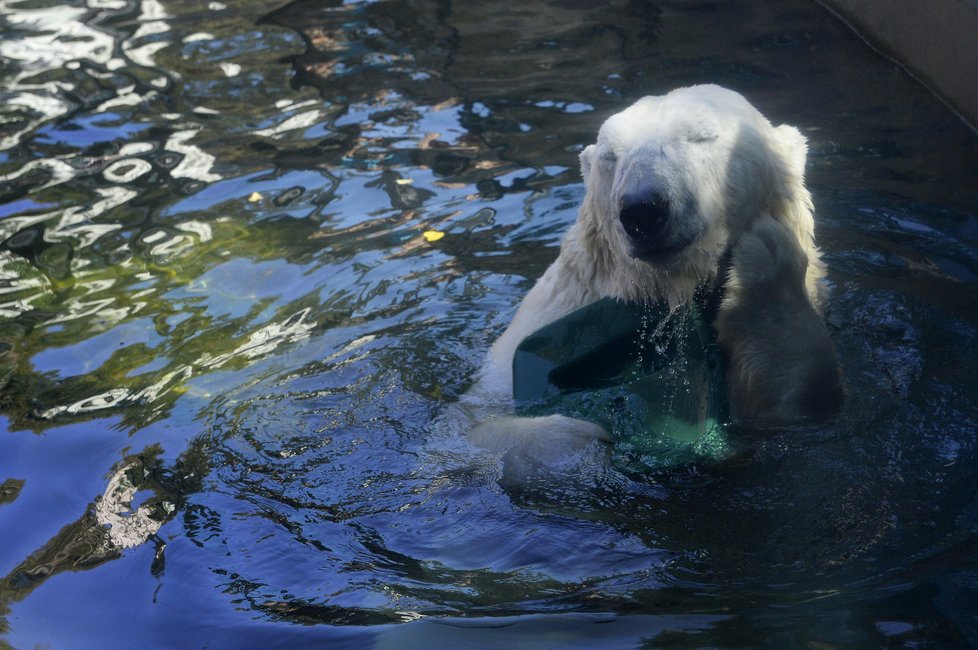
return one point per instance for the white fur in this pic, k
(724, 169)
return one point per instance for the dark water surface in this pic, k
(224, 337)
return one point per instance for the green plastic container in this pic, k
(651, 378)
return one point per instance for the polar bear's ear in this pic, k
(794, 147)
(587, 156)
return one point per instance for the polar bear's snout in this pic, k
(644, 216)
(649, 221)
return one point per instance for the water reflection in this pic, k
(224, 334)
(113, 522)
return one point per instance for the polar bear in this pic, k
(686, 190)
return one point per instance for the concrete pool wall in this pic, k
(936, 41)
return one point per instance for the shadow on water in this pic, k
(247, 255)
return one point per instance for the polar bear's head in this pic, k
(673, 179)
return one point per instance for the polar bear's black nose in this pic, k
(644, 216)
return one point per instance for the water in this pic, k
(224, 337)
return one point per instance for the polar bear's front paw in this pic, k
(781, 366)
(546, 439)
(768, 253)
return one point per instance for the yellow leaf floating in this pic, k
(432, 235)
(255, 196)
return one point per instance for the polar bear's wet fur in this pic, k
(688, 189)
